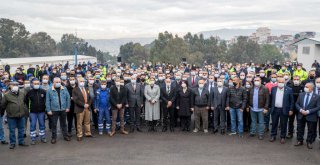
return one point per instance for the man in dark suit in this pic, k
(308, 105)
(210, 84)
(281, 108)
(201, 107)
(82, 102)
(134, 102)
(118, 100)
(218, 105)
(193, 79)
(168, 97)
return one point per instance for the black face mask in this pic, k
(235, 84)
(311, 77)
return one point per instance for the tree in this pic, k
(66, 45)
(269, 53)
(14, 39)
(41, 44)
(105, 57)
(244, 50)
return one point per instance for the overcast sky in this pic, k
(105, 19)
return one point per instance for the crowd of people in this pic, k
(222, 98)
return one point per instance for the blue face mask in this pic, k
(63, 77)
(58, 85)
(97, 76)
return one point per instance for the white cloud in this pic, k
(144, 18)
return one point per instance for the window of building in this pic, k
(306, 50)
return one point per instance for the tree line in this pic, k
(196, 49)
(17, 41)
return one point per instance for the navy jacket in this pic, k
(288, 101)
(313, 107)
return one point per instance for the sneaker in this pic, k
(33, 142)
(44, 140)
(195, 130)
(205, 131)
(100, 133)
(241, 135)
(232, 133)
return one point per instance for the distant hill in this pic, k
(230, 33)
(113, 45)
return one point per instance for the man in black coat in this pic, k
(168, 97)
(308, 105)
(118, 102)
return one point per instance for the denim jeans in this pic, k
(236, 114)
(104, 113)
(257, 117)
(40, 117)
(2, 137)
(17, 122)
(267, 119)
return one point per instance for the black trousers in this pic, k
(312, 130)
(291, 122)
(168, 111)
(61, 115)
(219, 117)
(276, 115)
(185, 122)
(135, 113)
(246, 120)
(71, 116)
(94, 118)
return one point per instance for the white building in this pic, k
(308, 51)
(16, 62)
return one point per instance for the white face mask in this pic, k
(248, 86)
(133, 81)
(220, 84)
(103, 86)
(257, 83)
(242, 77)
(201, 86)
(15, 89)
(72, 82)
(91, 81)
(117, 83)
(183, 85)
(45, 81)
(151, 82)
(216, 75)
(27, 85)
(297, 82)
(281, 85)
(36, 86)
(81, 84)
(306, 90)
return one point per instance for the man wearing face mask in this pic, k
(259, 105)
(134, 103)
(19, 76)
(15, 106)
(301, 73)
(281, 108)
(168, 97)
(297, 88)
(102, 106)
(236, 103)
(311, 78)
(118, 101)
(201, 107)
(36, 99)
(57, 106)
(193, 79)
(264, 79)
(218, 103)
(64, 79)
(82, 102)
(71, 116)
(54, 74)
(210, 84)
(308, 106)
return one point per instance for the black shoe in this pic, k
(214, 131)
(138, 129)
(25, 135)
(23, 145)
(164, 129)
(150, 129)
(188, 129)
(309, 145)
(171, 129)
(252, 135)
(289, 136)
(272, 139)
(69, 135)
(222, 132)
(131, 129)
(67, 138)
(12, 146)
(299, 143)
(90, 136)
(53, 141)
(4, 142)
